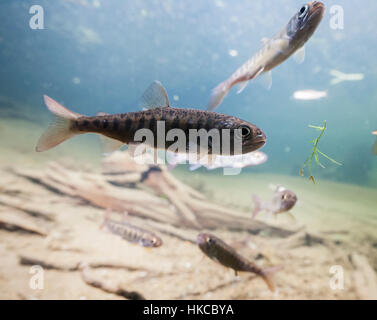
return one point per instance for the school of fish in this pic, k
(119, 129)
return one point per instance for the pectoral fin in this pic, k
(242, 86)
(300, 55)
(291, 216)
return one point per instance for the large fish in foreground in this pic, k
(121, 128)
(218, 250)
(274, 51)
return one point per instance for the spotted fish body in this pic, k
(274, 51)
(123, 127)
(132, 233)
(218, 250)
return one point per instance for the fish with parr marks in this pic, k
(131, 233)
(122, 128)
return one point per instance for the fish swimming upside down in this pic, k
(122, 128)
(274, 51)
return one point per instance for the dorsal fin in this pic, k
(154, 97)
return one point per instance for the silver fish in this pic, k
(132, 233)
(282, 201)
(274, 51)
(250, 159)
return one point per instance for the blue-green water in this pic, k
(101, 55)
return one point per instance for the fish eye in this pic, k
(303, 11)
(209, 241)
(245, 131)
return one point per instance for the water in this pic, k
(96, 55)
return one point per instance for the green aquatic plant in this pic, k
(315, 153)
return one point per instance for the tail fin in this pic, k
(217, 96)
(338, 77)
(266, 276)
(270, 284)
(257, 206)
(60, 129)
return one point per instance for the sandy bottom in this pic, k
(345, 214)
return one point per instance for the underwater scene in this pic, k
(188, 150)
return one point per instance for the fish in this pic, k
(289, 40)
(219, 251)
(132, 233)
(309, 95)
(121, 128)
(250, 159)
(374, 150)
(339, 76)
(282, 201)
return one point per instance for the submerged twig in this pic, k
(315, 152)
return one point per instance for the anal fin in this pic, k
(110, 145)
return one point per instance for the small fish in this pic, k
(274, 51)
(218, 250)
(282, 201)
(375, 144)
(250, 159)
(121, 128)
(339, 76)
(309, 95)
(132, 233)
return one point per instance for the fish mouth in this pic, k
(375, 133)
(259, 141)
(201, 238)
(317, 10)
